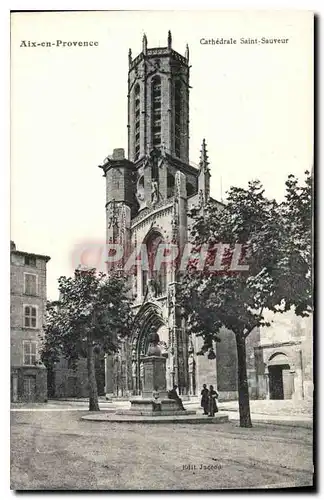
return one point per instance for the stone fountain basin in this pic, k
(158, 418)
(144, 406)
(151, 413)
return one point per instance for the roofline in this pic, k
(112, 163)
(217, 201)
(157, 52)
(186, 166)
(211, 198)
(20, 252)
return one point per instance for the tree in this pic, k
(93, 312)
(296, 266)
(273, 241)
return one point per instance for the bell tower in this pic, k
(158, 102)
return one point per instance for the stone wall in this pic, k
(18, 392)
(71, 382)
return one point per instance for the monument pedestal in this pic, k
(154, 380)
(154, 376)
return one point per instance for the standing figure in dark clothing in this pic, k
(204, 399)
(172, 394)
(212, 400)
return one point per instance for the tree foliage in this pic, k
(275, 241)
(93, 313)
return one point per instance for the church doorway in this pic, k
(149, 321)
(281, 378)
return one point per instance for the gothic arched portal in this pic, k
(148, 320)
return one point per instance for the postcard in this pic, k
(161, 250)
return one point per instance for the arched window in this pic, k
(156, 111)
(137, 113)
(155, 277)
(177, 117)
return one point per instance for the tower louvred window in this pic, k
(156, 111)
(177, 117)
(137, 121)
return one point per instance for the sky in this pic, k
(252, 103)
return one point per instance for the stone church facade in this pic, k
(148, 197)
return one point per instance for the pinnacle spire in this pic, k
(187, 53)
(130, 56)
(203, 163)
(144, 43)
(169, 39)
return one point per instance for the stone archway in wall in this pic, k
(280, 376)
(148, 320)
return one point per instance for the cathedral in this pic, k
(148, 197)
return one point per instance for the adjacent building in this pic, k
(284, 358)
(70, 380)
(27, 309)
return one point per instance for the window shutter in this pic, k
(30, 284)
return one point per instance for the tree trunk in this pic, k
(243, 388)
(93, 391)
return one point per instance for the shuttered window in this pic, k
(30, 317)
(30, 287)
(30, 351)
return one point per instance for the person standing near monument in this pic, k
(204, 399)
(212, 401)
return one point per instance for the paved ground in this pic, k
(283, 412)
(56, 450)
(260, 407)
(284, 407)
